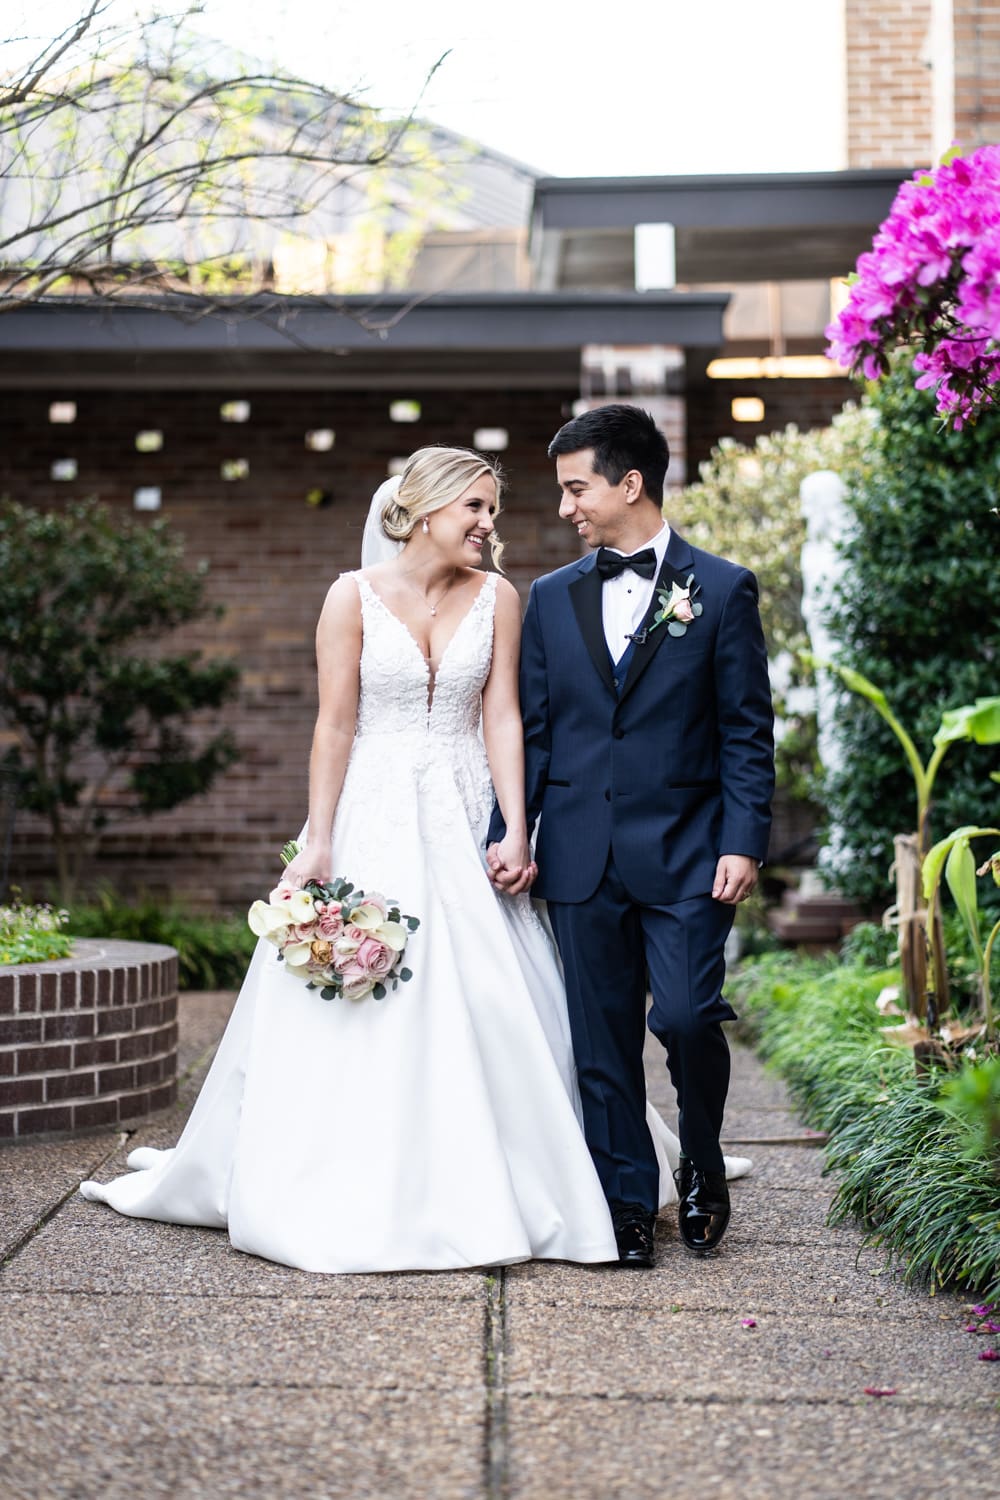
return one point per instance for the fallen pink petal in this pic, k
(882, 1390)
(989, 1354)
(748, 1323)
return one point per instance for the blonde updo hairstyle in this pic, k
(433, 478)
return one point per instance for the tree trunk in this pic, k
(912, 914)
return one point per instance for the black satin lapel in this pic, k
(585, 594)
(676, 568)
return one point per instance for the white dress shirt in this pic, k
(625, 599)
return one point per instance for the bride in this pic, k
(437, 1128)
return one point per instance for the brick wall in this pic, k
(977, 72)
(89, 1041)
(807, 403)
(889, 87)
(272, 557)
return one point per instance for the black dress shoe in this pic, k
(704, 1206)
(634, 1236)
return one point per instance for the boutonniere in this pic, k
(679, 608)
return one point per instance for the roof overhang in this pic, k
(758, 227)
(527, 338)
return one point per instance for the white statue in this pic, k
(821, 496)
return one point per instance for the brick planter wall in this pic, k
(87, 1041)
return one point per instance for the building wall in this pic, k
(272, 557)
(889, 85)
(976, 78)
(920, 75)
(807, 403)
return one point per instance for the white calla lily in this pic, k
(393, 934)
(367, 917)
(301, 906)
(297, 954)
(265, 920)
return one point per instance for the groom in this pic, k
(649, 758)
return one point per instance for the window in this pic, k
(747, 409)
(490, 439)
(62, 411)
(404, 411)
(147, 497)
(235, 411)
(396, 466)
(148, 442)
(63, 468)
(234, 468)
(321, 439)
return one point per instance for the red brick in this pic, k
(27, 992)
(19, 1030)
(115, 1080)
(85, 1054)
(68, 1025)
(43, 1059)
(164, 1096)
(23, 1091)
(122, 1019)
(95, 1112)
(40, 1121)
(138, 1045)
(70, 1086)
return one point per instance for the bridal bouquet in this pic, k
(340, 940)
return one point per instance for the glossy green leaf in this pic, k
(979, 721)
(960, 873)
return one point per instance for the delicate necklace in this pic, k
(419, 592)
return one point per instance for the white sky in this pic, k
(595, 89)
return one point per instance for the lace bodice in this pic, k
(397, 692)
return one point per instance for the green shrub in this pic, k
(918, 613)
(898, 1144)
(212, 951)
(32, 934)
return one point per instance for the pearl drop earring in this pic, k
(426, 527)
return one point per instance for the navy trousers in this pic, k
(609, 945)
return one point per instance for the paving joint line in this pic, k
(496, 1457)
(50, 1213)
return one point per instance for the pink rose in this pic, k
(355, 981)
(683, 613)
(375, 958)
(355, 933)
(302, 932)
(330, 923)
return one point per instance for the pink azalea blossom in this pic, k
(989, 1354)
(932, 280)
(880, 1390)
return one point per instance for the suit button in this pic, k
(619, 734)
(607, 796)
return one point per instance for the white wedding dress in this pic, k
(437, 1128)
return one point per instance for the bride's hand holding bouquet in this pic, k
(341, 940)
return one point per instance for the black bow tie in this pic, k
(610, 564)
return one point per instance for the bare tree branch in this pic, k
(128, 165)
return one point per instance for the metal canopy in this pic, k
(524, 338)
(759, 227)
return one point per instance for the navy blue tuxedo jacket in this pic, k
(668, 766)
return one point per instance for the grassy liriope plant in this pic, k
(916, 1159)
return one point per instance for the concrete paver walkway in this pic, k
(142, 1359)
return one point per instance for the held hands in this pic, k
(735, 878)
(510, 866)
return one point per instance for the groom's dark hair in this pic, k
(623, 438)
